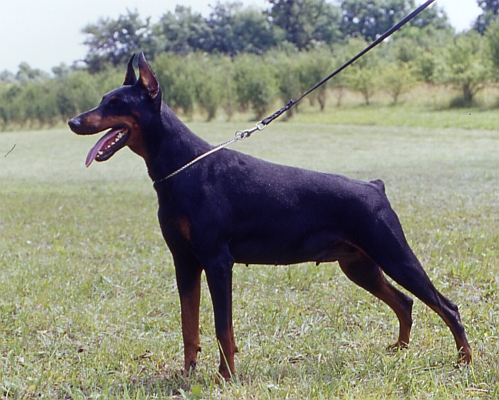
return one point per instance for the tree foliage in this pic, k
(176, 76)
(370, 19)
(256, 85)
(363, 76)
(113, 41)
(490, 12)
(305, 22)
(492, 36)
(431, 17)
(397, 78)
(182, 31)
(232, 29)
(422, 48)
(466, 66)
(236, 30)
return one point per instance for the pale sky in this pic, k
(47, 33)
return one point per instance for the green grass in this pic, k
(408, 116)
(88, 301)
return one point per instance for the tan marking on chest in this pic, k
(184, 226)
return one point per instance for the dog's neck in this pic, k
(170, 145)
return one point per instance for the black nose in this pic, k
(74, 123)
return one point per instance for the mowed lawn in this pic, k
(88, 300)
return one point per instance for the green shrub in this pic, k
(397, 79)
(256, 84)
(177, 80)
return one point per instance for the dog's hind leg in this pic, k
(408, 273)
(364, 272)
(389, 249)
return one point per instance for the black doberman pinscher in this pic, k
(233, 208)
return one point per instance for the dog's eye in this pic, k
(114, 101)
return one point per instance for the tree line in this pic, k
(230, 29)
(241, 59)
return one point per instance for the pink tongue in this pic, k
(100, 144)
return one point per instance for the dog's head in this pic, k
(122, 112)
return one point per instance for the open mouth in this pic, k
(108, 144)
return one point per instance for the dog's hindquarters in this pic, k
(383, 246)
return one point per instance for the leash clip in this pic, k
(243, 134)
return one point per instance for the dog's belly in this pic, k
(320, 247)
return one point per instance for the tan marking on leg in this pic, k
(227, 350)
(362, 271)
(465, 355)
(189, 304)
(393, 299)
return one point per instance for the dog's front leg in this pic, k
(189, 287)
(219, 278)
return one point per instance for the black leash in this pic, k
(239, 135)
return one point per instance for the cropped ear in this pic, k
(148, 79)
(130, 77)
